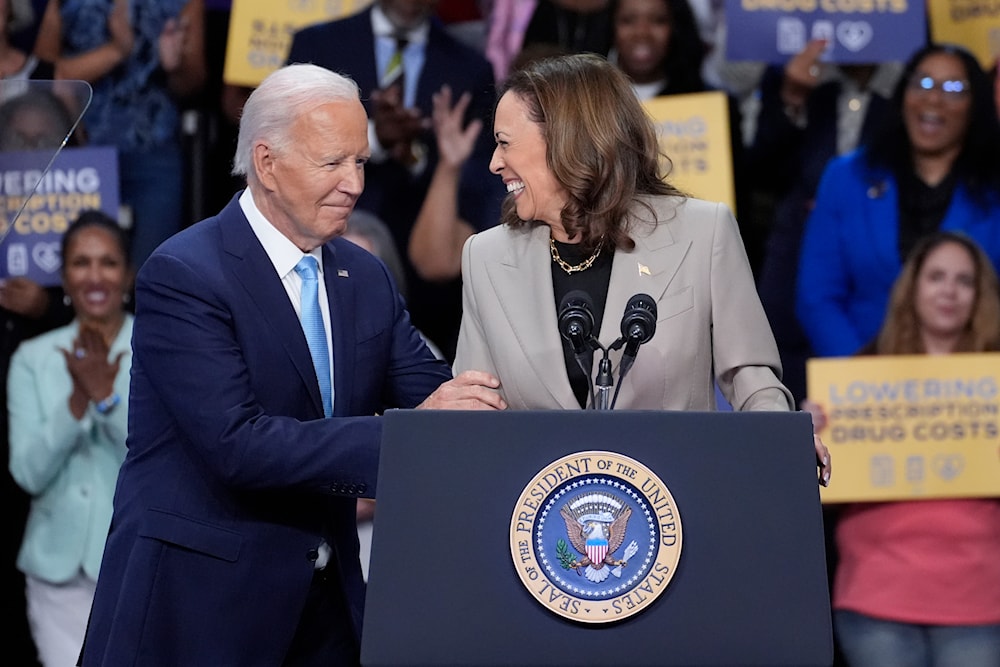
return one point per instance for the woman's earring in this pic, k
(67, 300)
(126, 298)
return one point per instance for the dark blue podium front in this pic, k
(750, 587)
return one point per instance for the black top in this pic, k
(921, 208)
(594, 281)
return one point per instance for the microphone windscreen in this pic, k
(576, 315)
(639, 320)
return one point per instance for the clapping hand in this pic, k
(172, 43)
(120, 29)
(396, 127)
(92, 372)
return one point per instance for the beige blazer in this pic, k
(710, 324)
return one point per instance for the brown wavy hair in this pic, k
(900, 333)
(601, 145)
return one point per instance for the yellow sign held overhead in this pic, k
(974, 24)
(260, 33)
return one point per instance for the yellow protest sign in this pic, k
(974, 24)
(694, 133)
(260, 33)
(907, 427)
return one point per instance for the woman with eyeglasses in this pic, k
(933, 166)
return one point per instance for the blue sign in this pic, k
(856, 31)
(79, 179)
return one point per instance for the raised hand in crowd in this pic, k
(120, 29)
(802, 74)
(436, 240)
(173, 42)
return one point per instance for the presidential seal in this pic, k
(595, 537)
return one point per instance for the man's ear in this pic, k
(263, 164)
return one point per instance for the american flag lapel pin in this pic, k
(342, 273)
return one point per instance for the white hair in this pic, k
(278, 101)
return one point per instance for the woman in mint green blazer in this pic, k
(67, 395)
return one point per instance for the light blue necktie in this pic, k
(312, 325)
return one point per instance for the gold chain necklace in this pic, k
(571, 268)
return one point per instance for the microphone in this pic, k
(576, 324)
(638, 322)
(576, 320)
(638, 327)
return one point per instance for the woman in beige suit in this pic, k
(589, 210)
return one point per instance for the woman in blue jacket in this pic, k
(932, 167)
(67, 397)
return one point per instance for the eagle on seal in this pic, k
(596, 537)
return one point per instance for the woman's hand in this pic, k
(823, 461)
(819, 423)
(120, 28)
(172, 42)
(817, 412)
(455, 144)
(802, 74)
(93, 374)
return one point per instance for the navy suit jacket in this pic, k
(392, 192)
(233, 477)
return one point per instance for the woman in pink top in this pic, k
(918, 582)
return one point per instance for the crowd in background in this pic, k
(840, 172)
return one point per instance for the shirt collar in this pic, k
(284, 254)
(383, 27)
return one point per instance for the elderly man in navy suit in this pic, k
(264, 347)
(397, 92)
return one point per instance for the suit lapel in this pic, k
(360, 54)
(646, 269)
(429, 81)
(522, 281)
(263, 287)
(649, 268)
(341, 295)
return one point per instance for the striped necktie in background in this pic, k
(395, 72)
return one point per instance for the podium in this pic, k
(749, 587)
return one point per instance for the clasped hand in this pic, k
(92, 373)
(396, 127)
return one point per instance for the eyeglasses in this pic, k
(952, 90)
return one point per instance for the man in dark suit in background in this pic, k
(404, 151)
(233, 540)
